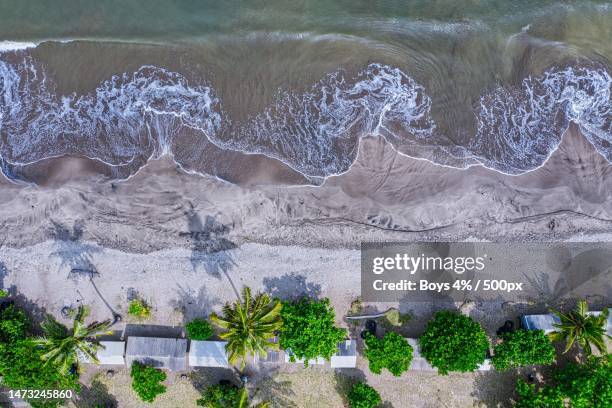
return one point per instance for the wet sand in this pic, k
(384, 196)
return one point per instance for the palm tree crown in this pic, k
(62, 345)
(249, 325)
(579, 326)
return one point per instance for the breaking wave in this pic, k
(131, 118)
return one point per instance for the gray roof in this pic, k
(346, 357)
(208, 354)
(111, 353)
(169, 354)
(540, 322)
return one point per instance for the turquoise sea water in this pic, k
(459, 83)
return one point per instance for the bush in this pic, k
(146, 381)
(362, 395)
(139, 309)
(531, 397)
(454, 342)
(588, 384)
(4, 294)
(199, 329)
(13, 324)
(222, 395)
(523, 347)
(308, 329)
(391, 352)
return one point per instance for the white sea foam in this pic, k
(133, 117)
(15, 46)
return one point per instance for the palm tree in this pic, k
(243, 402)
(587, 329)
(62, 344)
(250, 325)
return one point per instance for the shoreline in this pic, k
(385, 197)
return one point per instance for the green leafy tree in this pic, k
(199, 329)
(21, 364)
(580, 385)
(308, 329)
(146, 381)
(222, 395)
(227, 396)
(391, 352)
(578, 326)
(454, 342)
(531, 397)
(587, 385)
(61, 345)
(521, 348)
(362, 395)
(14, 324)
(249, 325)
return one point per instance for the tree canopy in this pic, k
(309, 329)
(21, 360)
(249, 325)
(521, 348)
(391, 352)
(454, 342)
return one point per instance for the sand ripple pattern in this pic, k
(133, 117)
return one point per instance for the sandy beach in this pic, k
(181, 287)
(186, 244)
(384, 196)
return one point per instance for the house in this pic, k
(314, 361)
(544, 322)
(346, 357)
(208, 354)
(111, 353)
(169, 354)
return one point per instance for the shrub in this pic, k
(222, 395)
(362, 395)
(146, 381)
(523, 347)
(391, 352)
(588, 384)
(454, 342)
(4, 294)
(199, 329)
(139, 309)
(531, 397)
(13, 324)
(308, 329)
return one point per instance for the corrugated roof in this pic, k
(158, 352)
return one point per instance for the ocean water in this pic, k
(458, 83)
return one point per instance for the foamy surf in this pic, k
(6, 46)
(134, 117)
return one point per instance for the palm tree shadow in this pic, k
(72, 252)
(192, 303)
(276, 390)
(96, 395)
(291, 286)
(210, 249)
